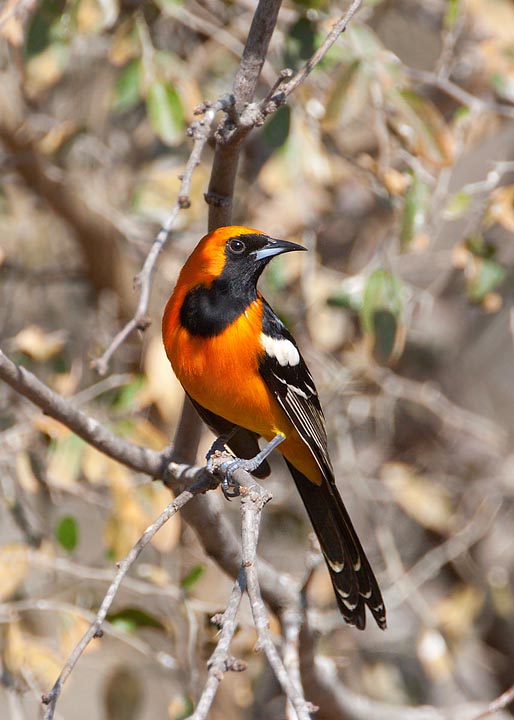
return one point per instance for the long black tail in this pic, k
(352, 577)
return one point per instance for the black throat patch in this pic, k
(207, 311)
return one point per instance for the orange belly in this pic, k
(221, 373)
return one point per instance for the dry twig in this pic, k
(124, 566)
(220, 661)
(200, 131)
(498, 704)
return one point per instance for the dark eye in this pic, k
(236, 246)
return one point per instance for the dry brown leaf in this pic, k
(98, 469)
(461, 255)
(396, 182)
(134, 510)
(57, 136)
(93, 16)
(125, 44)
(72, 629)
(427, 503)
(24, 473)
(65, 461)
(160, 181)
(153, 574)
(434, 655)
(421, 126)
(501, 207)
(14, 566)
(492, 302)
(38, 344)
(155, 498)
(146, 433)
(53, 428)
(384, 681)
(458, 612)
(123, 528)
(89, 16)
(493, 19)
(11, 22)
(66, 383)
(45, 69)
(320, 590)
(24, 653)
(162, 387)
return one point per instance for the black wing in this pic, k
(243, 443)
(285, 373)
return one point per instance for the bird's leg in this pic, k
(218, 446)
(229, 485)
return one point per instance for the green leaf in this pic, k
(43, 21)
(181, 709)
(124, 398)
(165, 112)
(457, 205)
(341, 94)
(420, 125)
(504, 86)
(193, 576)
(130, 619)
(452, 14)
(414, 211)
(489, 276)
(342, 300)
(385, 327)
(300, 42)
(383, 293)
(276, 130)
(480, 247)
(381, 316)
(67, 533)
(126, 91)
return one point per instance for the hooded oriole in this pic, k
(244, 373)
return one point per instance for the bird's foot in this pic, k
(229, 486)
(217, 449)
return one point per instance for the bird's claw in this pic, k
(230, 487)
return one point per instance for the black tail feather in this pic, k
(354, 583)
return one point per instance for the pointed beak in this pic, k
(276, 247)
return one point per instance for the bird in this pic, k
(247, 379)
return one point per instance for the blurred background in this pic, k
(394, 164)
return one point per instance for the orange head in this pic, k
(221, 275)
(233, 247)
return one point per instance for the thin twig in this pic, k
(220, 661)
(252, 503)
(134, 456)
(200, 131)
(123, 567)
(291, 622)
(255, 114)
(451, 415)
(431, 563)
(11, 610)
(231, 135)
(204, 515)
(459, 94)
(337, 29)
(501, 702)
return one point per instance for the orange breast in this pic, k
(222, 374)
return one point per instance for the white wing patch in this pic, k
(282, 349)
